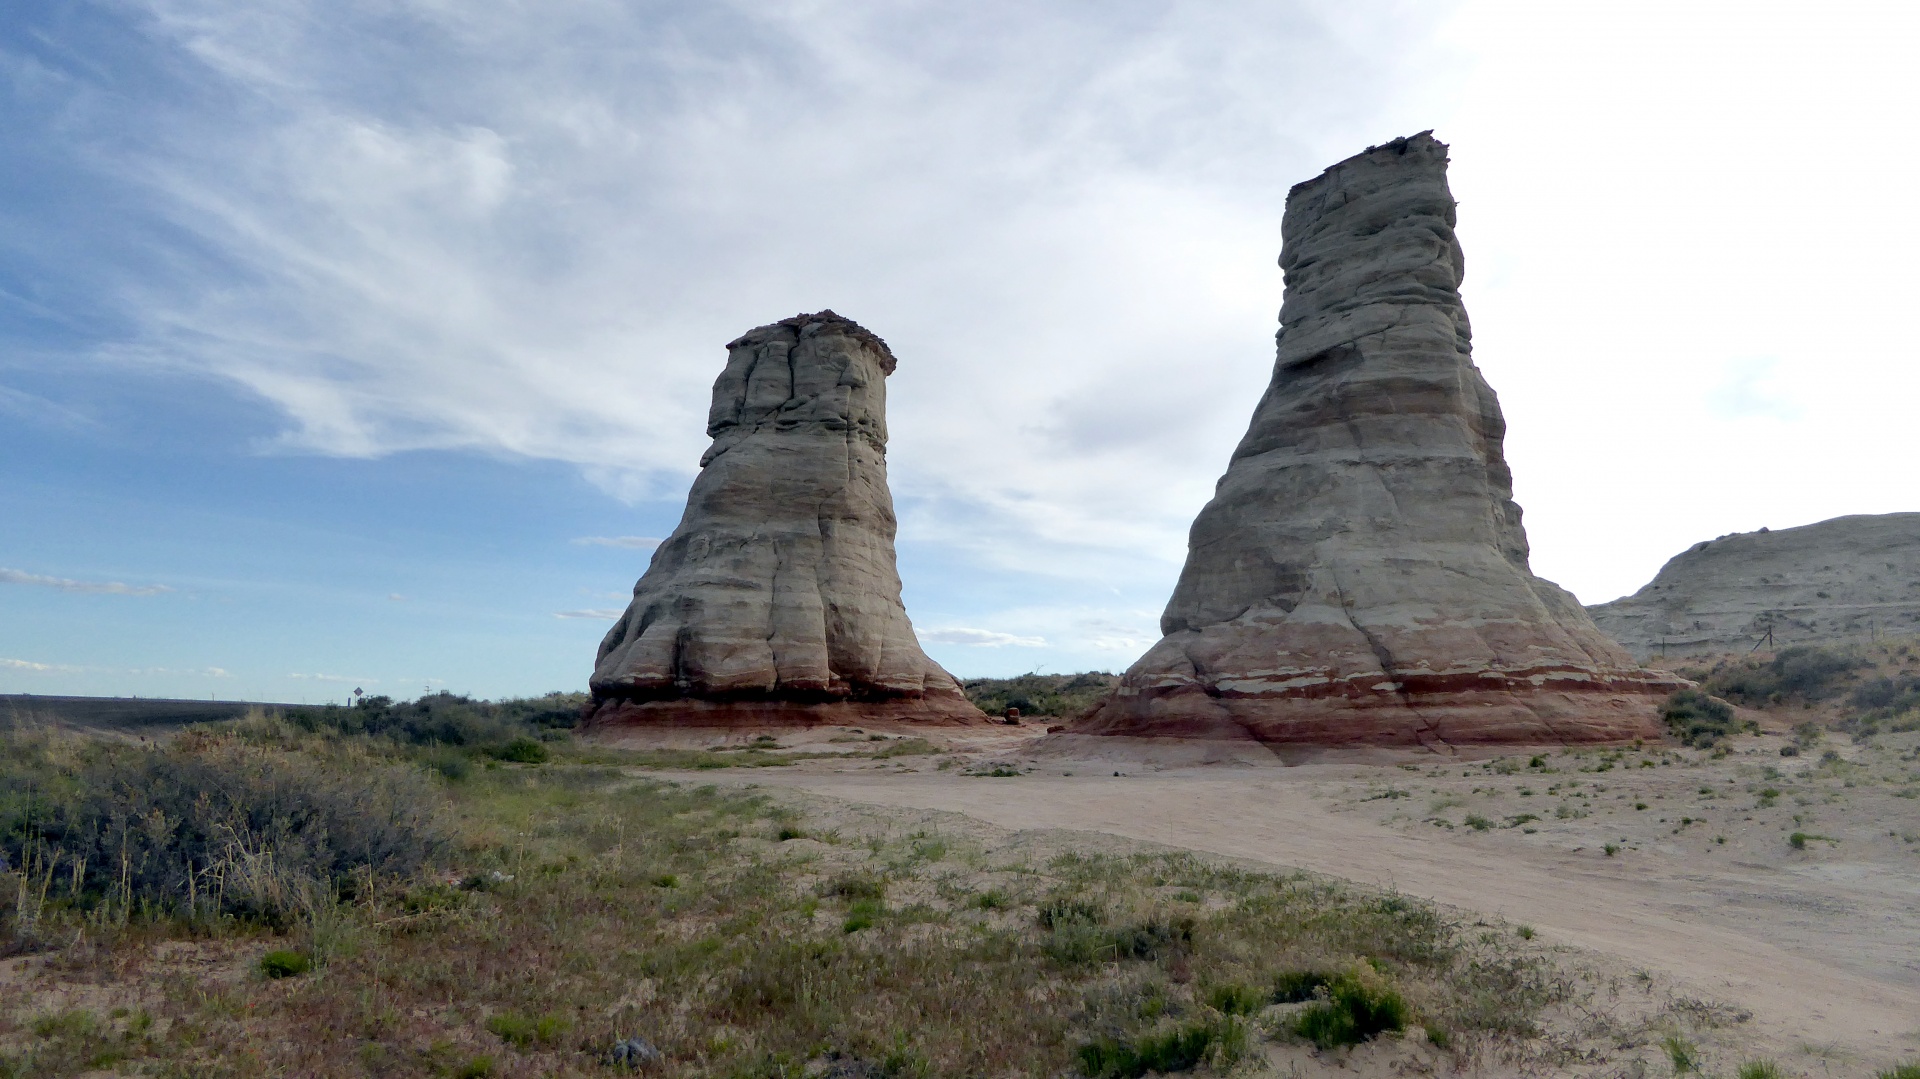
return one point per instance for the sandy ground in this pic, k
(1670, 860)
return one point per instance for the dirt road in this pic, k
(1844, 987)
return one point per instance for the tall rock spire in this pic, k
(777, 599)
(1360, 575)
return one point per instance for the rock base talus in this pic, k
(777, 596)
(1361, 576)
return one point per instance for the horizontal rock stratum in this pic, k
(1847, 579)
(1361, 576)
(777, 600)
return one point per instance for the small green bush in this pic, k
(1909, 1070)
(1760, 1069)
(522, 750)
(1698, 720)
(857, 888)
(1297, 986)
(477, 1068)
(285, 964)
(1055, 913)
(1359, 1005)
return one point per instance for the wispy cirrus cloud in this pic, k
(600, 614)
(634, 543)
(96, 588)
(979, 638)
(31, 665)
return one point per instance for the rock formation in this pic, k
(1851, 578)
(777, 600)
(1360, 576)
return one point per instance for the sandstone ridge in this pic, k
(776, 600)
(1360, 576)
(1846, 579)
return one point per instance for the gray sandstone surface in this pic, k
(777, 598)
(1850, 578)
(1361, 575)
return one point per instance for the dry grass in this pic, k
(577, 906)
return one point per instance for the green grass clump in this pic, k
(1799, 840)
(861, 915)
(1902, 1071)
(1233, 999)
(285, 963)
(1360, 1005)
(1762, 1069)
(1683, 1054)
(1183, 1048)
(522, 1031)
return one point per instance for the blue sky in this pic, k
(346, 344)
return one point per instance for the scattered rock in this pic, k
(635, 1053)
(1848, 579)
(777, 598)
(1361, 574)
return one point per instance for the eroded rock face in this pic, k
(1848, 579)
(777, 600)
(1360, 576)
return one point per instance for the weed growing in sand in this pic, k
(1902, 1071)
(1683, 1054)
(1799, 840)
(1760, 1069)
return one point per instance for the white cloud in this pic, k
(1064, 218)
(62, 584)
(979, 638)
(637, 543)
(600, 614)
(30, 665)
(333, 678)
(395, 597)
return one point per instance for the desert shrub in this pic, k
(1360, 1004)
(1062, 695)
(1297, 986)
(447, 719)
(1802, 672)
(1902, 1071)
(1762, 1069)
(1233, 999)
(1183, 1048)
(521, 750)
(1698, 720)
(204, 825)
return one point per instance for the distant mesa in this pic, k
(777, 600)
(1360, 576)
(1848, 579)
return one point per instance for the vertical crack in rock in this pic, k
(777, 599)
(1366, 523)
